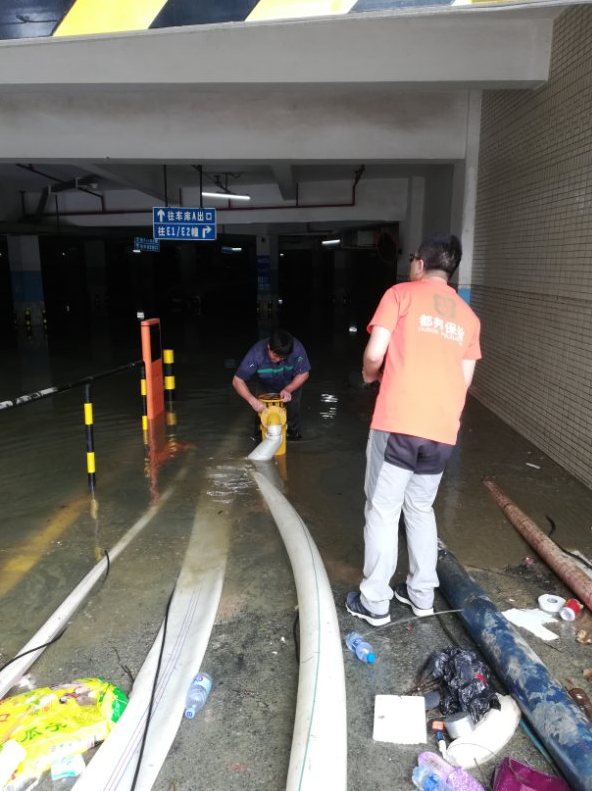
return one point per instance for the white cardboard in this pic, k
(400, 719)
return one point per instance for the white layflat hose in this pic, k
(267, 449)
(318, 758)
(190, 620)
(56, 622)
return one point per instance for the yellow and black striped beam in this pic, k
(33, 18)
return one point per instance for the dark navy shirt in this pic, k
(273, 376)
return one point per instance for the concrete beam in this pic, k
(149, 180)
(469, 47)
(122, 128)
(284, 175)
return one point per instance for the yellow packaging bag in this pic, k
(53, 723)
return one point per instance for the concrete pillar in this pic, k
(456, 203)
(98, 299)
(267, 283)
(29, 306)
(341, 296)
(465, 272)
(26, 280)
(142, 275)
(186, 259)
(316, 304)
(412, 229)
(96, 279)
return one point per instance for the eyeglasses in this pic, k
(413, 257)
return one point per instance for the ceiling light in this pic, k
(135, 250)
(225, 195)
(331, 242)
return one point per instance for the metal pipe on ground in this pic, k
(558, 722)
(48, 391)
(565, 569)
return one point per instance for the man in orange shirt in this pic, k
(423, 347)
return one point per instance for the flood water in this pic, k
(51, 534)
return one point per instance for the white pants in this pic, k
(388, 490)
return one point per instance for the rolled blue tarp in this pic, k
(563, 729)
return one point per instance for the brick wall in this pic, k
(532, 269)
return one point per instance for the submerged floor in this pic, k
(49, 539)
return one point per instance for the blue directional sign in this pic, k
(140, 243)
(191, 225)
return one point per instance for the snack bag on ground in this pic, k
(52, 723)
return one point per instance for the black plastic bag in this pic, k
(465, 682)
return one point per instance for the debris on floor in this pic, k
(512, 775)
(399, 719)
(433, 772)
(53, 724)
(489, 736)
(550, 603)
(533, 621)
(465, 682)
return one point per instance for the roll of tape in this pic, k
(551, 604)
(460, 724)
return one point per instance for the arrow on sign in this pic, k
(205, 231)
(160, 213)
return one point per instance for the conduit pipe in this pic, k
(572, 575)
(318, 758)
(352, 202)
(561, 726)
(297, 204)
(56, 622)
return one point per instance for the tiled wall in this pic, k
(532, 269)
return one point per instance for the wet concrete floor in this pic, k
(49, 539)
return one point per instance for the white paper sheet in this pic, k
(400, 719)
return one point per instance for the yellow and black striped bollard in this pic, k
(90, 441)
(168, 360)
(143, 392)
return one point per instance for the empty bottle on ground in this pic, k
(197, 694)
(363, 650)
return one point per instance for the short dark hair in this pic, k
(441, 251)
(281, 343)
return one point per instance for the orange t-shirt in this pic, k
(423, 390)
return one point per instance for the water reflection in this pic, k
(331, 412)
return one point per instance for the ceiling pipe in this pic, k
(352, 202)
(65, 184)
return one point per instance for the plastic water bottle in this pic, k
(363, 650)
(197, 694)
(426, 779)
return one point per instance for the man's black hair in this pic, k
(281, 343)
(441, 251)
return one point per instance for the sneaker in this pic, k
(402, 595)
(355, 607)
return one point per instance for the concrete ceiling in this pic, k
(319, 114)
